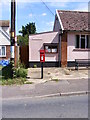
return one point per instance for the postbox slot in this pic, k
(41, 52)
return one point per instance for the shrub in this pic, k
(20, 65)
(21, 72)
(0, 70)
(6, 72)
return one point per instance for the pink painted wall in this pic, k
(36, 43)
(71, 53)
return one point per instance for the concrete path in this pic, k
(55, 74)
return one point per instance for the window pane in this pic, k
(0, 51)
(46, 47)
(3, 50)
(51, 48)
(88, 41)
(77, 41)
(54, 49)
(82, 41)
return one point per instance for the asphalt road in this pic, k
(53, 107)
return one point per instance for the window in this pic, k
(51, 47)
(88, 41)
(2, 51)
(82, 41)
(77, 41)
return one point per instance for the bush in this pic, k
(18, 72)
(6, 72)
(20, 65)
(21, 72)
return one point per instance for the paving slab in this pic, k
(55, 74)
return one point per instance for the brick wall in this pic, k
(64, 50)
(7, 53)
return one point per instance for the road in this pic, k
(50, 107)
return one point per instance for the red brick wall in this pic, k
(7, 53)
(64, 50)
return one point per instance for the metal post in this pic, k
(76, 65)
(12, 35)
(41, 70)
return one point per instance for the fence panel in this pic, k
(24, 55)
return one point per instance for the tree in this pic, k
(26, 31)
(22, 40)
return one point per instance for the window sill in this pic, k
(2, 56)
(79, 49)
(51, 53)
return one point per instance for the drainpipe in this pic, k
(59, 47)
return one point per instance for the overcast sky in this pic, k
(36, 11)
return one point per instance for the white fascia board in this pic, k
(5, 33)
(59, 20)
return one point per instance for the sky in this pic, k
(36, 11)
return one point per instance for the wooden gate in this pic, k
(24, 55)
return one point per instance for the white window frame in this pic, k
(1, 51)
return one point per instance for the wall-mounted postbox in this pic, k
(42, 55)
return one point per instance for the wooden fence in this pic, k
(24, 55)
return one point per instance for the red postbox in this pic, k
(42, 55)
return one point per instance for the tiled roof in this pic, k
(74, 20)
(4, 23)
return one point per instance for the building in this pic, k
(69, 40)
(4, 42)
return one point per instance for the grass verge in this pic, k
(16, 81)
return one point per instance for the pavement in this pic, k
(55, 74)
(56, 82)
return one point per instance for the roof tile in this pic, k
(4, 23)
(74, 20)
